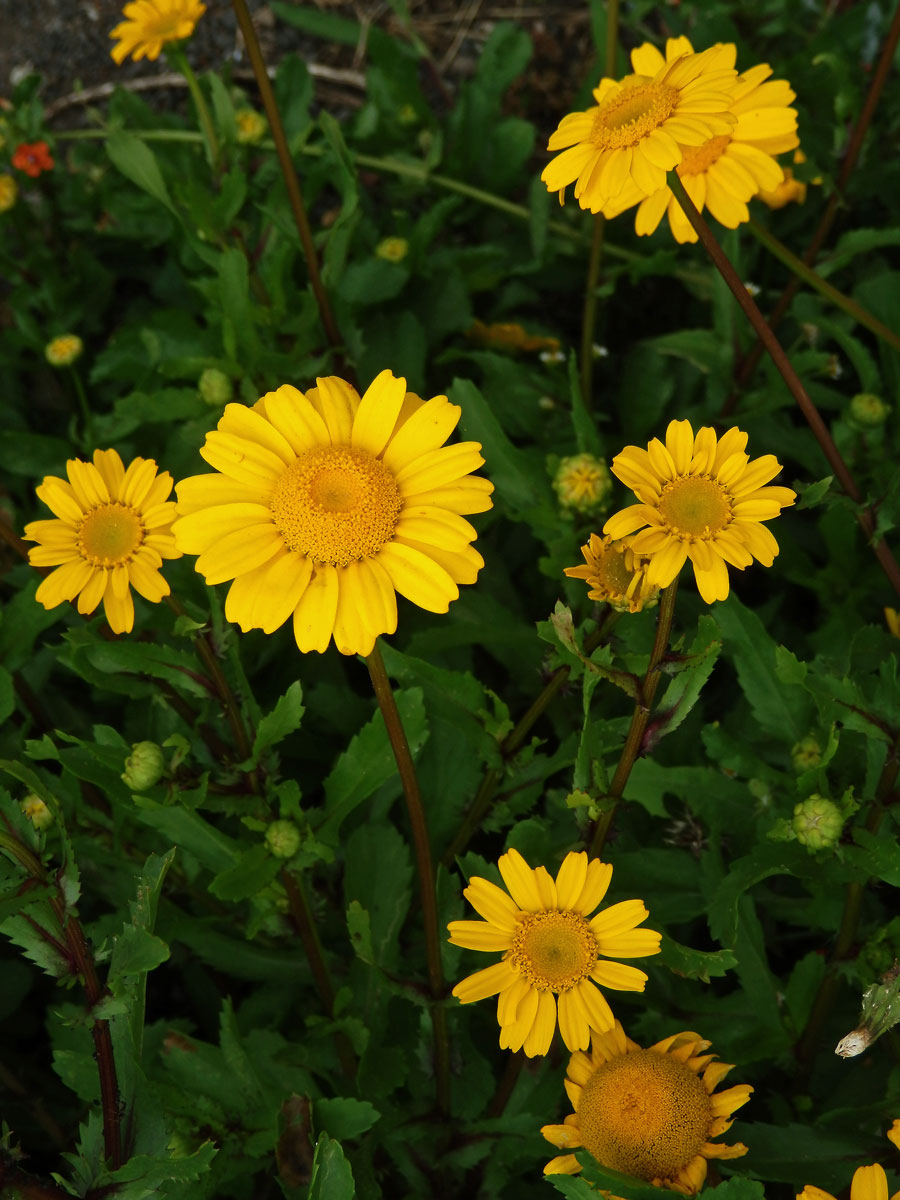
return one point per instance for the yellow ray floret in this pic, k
(648, 1113)
(326, 504)
(725, 171)
(554, 953)
(634, 134)
(112, 529)
(701, 497)
(149, 24)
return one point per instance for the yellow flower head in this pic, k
(637, 129)
(9, 189)
(582, 483)
(790, 189)
(869, 1183)
(392, 249)
(553, 954)
(112, 531)
(251, 125)
(700, 498)
(648, 1113)
(149, 24)
(326, 504)
(615, 574)
(727, 170)
(62, 351)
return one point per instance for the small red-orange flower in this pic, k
(33, 158)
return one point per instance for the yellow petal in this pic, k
(57, 494)
(252, 426)
(665, 565)
(208, 491)
(242, 460)
(92, 592)
(484, 983)
(200, 531)
(472, 494)
(619, 977)
(542, 1030)
(492, 903)
(118, 605)
(478, 935)
(146, 579)
(570, 881)
(520, 881)
(295, 419)
(427, 429)
(596, 885)
(239, 552)
(448, 464)
(336, 401)
(417, 577)
(111, 467)
(138, 480)
(377, 413)
(573, 1021)
(619, 918)
(598, 1011)
(266, 597)
(64, 583)
(88, 484)
(563, 1164)
(314, 615)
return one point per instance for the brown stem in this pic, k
(416, 810)
(83, 965)
(828, 989)
(865, 516)
(292, 182)
(886, 58)
(306, 927)
(639, 719)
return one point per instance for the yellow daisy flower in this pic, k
(648, 1113)
(326, 505)
(149, 24)
(700, 498)
(62, 351)
(553, 954)
(727, 170)
(112, 531)
(614, 573)
(869, 1183)
(634, 134)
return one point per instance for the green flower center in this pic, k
(109, 535)
(554, 950)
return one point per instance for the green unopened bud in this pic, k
(817, 822)
(36, 811)
(880, 1012)
(251, 126)
(283, 839)
(806, 754)
(583, 484)
(868, 410)
(215, 387)
(144, 766)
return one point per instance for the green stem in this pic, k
(589, 315)
(612, 36)
(808, 275)
(639, 719)
(83, 964)
(416, 810)
(822, 1005)
(176, 55)
(865, 516)
(292, 182)
(86, 432)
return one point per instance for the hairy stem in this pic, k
(865, 516)
(639, 719)
(415, 808)
(292, 182)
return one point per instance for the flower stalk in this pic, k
(639, 719)
(211, 142)
(292, 182)
(422, 845)
(865, 516)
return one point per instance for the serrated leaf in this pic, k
(812, 494)
(254, 869)
(684, 690)
(694, 964)
(360, 929)
(284, 719)
(332, 1178)
(344, 1117)
(135, 952)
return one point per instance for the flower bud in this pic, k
(215, 387)
(806, 754)
(283, 839)
(62, 351)
(868, 410)
(392, 249)
(144, 766)
(251, 126)
(583, 484)
(817, 822)
(36, 811)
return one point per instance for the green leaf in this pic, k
(153, 1171)
(332, 1178)
(137, 162)
(572, 1186)
(875, 855)
(343, 1117)
(683, 692)
(378, 874)
(763, 861)
(254, 870)
(517, 481)
(622, 1186)
(737, 1188)
(700, 347)
(177, 667)
(189, 831)
(368, 762)
(360, 929)
(135, 952)
(695, 964)
(748, 642)
(284, 719)
(802, 1154)
(812, 494)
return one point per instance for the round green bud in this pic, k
(215, 387)
(806, 754)
(251, 126)
(144, 766)
(817, 823)
(583, 484)
(868, 410)
(36, 811)
(283, 839)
